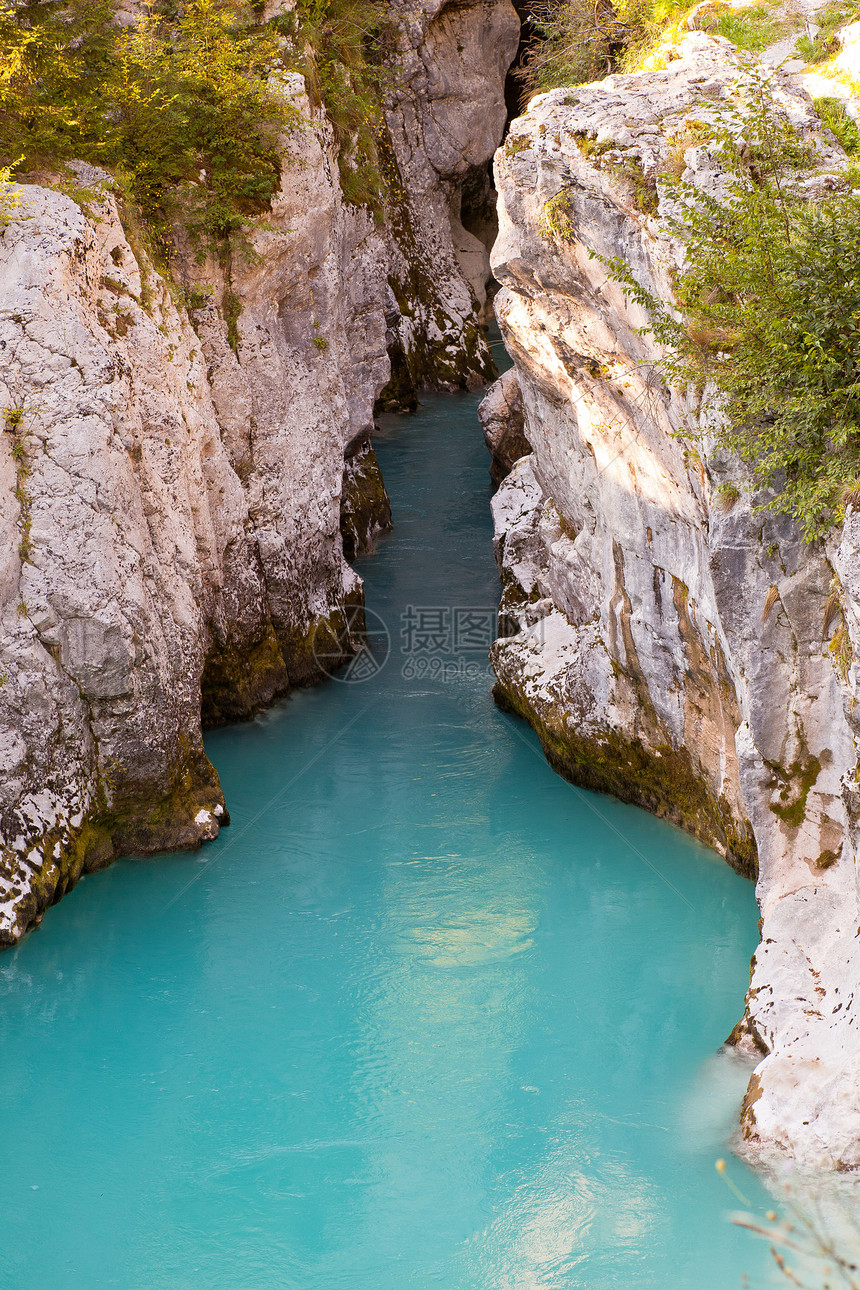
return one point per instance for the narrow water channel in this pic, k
(425, 1016)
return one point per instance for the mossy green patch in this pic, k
(556, 218)
(140, 820)
(664, 781)
(442, 350)
(239, 682)
(794, 783)
(365, 507)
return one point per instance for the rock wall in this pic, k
(444, 118)
(671, 643)
(181, 461)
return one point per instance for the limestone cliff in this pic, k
(672, 643)
(179, 458)
(444, 119)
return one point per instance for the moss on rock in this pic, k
(434, 348)
(125, 820)
(237, 683)
(664, 781)
(365, 508)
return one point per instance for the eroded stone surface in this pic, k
(444, 120)
(674, 641)
(501, 415)
(173, 464)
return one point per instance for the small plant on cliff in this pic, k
(840, 647)
(828, 20)
(14, 424)
(555, 218)
(10, 200)
(726, 495)
(232, 310)
(770, 310)
(843, 126)
(752, 28)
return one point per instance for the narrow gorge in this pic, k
(189, 477)
(177, 455)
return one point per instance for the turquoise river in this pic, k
(424, 1016)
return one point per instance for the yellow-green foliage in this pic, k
(344, 48)
(843, 126)
(9, 198)
(555, 218)
(828, 20)
(184, 106)
(181, 109)
(770, 295)
(580, 40)
(752, 29)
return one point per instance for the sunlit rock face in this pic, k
(178, 461)
(671, 642)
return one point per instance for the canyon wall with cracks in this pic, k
(671, 642)
(181, 462)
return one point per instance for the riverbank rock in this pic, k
(501, 416)
(179, 459)
(672, 644)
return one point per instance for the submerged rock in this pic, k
(669, 641)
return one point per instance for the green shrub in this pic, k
(181, 110)
(828, 19)
(555, 222)
(573, 41)
(582, 40)
(843, 126)
(343, 48)
(10, 201)
(770, 305)
(752, 29)
(185, 109)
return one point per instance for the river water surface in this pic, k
(424, 1016)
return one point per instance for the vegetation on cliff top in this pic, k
(185, 106)
(582, 40)
(770, 310)
(346, 48)
(770, 296)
